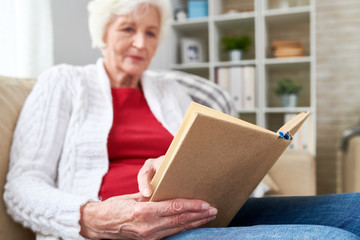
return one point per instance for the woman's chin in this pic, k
(134, 70)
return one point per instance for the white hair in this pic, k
(102, 11)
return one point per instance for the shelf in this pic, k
(274, 61)
(189, 22)
(194, 65)
(286, 110)
(288, 11)
(233, 64)
(287, 17)
(288, 63)
(230, 17)
(191, 25)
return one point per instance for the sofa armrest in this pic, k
(294, 174)
(350, 161)
(12, 96)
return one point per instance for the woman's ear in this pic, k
(104, 39)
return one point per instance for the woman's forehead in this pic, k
(144, 15)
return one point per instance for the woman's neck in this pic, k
(119, 79)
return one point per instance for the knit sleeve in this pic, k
(31, 194)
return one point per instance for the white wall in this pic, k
(71, 36)
(26, 41)
(72, 43)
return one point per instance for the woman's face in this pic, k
(131, 41)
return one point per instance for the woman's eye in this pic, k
(128, 29)
(151, 34)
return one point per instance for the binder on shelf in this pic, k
(240, 82)
(236, 90)
(249, 87)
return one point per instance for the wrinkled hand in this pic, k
(146, 174)
(127, 216)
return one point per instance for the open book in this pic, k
(219, 159)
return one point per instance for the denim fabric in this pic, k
(268, 232)
(334, 216)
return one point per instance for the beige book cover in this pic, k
(220, 159)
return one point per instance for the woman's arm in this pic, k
(31, 192)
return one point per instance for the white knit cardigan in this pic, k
(59, 153)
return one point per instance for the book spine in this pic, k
(222, 78)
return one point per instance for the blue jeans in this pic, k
(334, 216)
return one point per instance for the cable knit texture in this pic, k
(59, 154)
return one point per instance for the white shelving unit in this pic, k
(264, 21)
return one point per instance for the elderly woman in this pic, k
(86, 134)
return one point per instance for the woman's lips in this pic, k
(136, 58)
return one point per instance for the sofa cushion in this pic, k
(294, 174)
(12, 95)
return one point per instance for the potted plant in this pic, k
(236, 46)
(288, 90)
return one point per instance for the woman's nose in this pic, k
(139, 40)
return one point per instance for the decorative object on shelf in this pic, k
(179, 10)
(192, 50)
(181, 15)
(287, 48)
(288, 90)
(197, 8)
(236, 46)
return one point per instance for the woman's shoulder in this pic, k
(69, 71)
(67, 75)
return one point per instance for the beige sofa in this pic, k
(293, 174)
(12, 95)
(349, 164)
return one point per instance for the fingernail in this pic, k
(205, 206)
(211, 218)
(213, 211)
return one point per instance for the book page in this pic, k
(219, 115)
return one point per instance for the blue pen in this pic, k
(285, 136)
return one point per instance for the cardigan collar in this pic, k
(164, 96)
(104, 80)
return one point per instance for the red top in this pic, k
(136, 135)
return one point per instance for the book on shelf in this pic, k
(220, 159)
(287, 48)
(239, 81)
